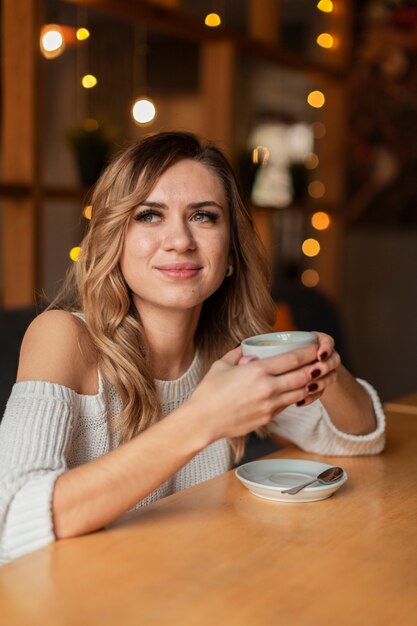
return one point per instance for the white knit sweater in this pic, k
(48, 428)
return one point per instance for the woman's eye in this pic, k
(148, 217)
(205, 216)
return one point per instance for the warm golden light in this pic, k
(89, 81)
(310, 247)
(88, 211)
(310, 278)
(143, 111)
(325, 5)
(260, 155)
(311, 161)
(90, 124)
(319, 130)
(213, 20)
(325, 40)
(316, 99)
(52, 42)
(316, 189)
(75, 253)
(320, 220)
(82, 34)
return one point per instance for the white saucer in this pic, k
(266, 479)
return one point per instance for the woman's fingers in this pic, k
(289, 361)
(326, 346)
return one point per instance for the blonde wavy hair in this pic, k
(241, 306)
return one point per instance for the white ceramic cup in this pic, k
(271, 344)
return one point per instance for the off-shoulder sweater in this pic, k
(48, 428)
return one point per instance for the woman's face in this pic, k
(176, 249)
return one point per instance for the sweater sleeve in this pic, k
(35, 435)
(312, 430)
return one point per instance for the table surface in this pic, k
(404, 404)
(216, 554)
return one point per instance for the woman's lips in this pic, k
(179, 271)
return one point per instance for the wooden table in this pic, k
(404, 404)
(215, 554)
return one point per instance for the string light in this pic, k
(74, 253)
(89, 81)
(310, 247)
(213, 20)
(320, 220)
(325, 5)
(316, 99)
(310, 278)
(325, 40)
(88, 210)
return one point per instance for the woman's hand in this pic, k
(324, 370)
(236, 397)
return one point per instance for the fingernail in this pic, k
(312, 387)
(323, 356)
(301, 402)
(315, 373)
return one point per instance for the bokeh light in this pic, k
(311, 161)
(82, 34)
(213, 20)
(89, 81)
(310, 247)
(316, 189)
(319, 130)
(325, 5)
(52, 42)
(316, 99)
(310, 278)
(325, 40)
(74, 253)
(320, 220)
(143, 111)
(88, 211)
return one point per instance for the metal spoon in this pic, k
(329, 475)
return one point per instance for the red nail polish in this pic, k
(301, 402)
(312, 387)
(323, 356)
(315, 373)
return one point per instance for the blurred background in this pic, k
(315, 102)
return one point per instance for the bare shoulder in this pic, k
(57, 348)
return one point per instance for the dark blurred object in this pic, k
(13, 324)
(310, 308)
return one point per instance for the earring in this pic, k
(229, 270)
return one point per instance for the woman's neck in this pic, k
(170, 335)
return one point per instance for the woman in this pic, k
(170, 279)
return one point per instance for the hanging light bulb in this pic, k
(325, 40)
(143, 111)
(52, 41)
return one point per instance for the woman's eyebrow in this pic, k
(204, 203)
(192, 205)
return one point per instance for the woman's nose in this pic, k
(179, 236)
